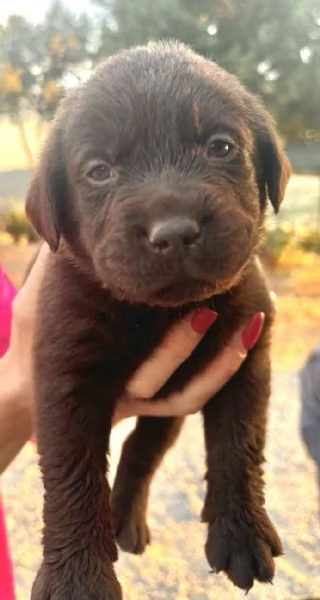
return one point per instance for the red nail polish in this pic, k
(203, 319)
(252, 331)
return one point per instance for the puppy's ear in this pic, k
(46, 197)
(273, 167)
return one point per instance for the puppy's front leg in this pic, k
(73, 432)
(241, 538)
(74, 411)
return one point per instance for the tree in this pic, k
(39, 62)
(273, 47)
(16, 78)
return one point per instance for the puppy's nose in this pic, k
(173, 234)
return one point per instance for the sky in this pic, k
(34, 10)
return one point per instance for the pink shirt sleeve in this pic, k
(7, 294)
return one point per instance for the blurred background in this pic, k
(274, 48)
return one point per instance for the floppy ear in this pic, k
(46, 197)
(273, 167)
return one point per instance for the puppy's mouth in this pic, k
(196, 290)
(179, 293)
(183, 292)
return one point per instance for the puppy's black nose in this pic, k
(173, 234)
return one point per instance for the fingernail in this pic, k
(203, 319)
(253, 330)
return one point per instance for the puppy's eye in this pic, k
(219, 148)
(98, 172)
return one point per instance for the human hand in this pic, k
(23, 325)
(176, 347)
(16, 369)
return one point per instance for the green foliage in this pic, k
(310, 242)
(273, 46)
(291, 240)
(39, 62)
(275, 241)
(18, 226)
(277, 238)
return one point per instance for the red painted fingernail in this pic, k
(203, 319)
(253, 330)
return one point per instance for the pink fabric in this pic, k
(6, 569)
(7, 293)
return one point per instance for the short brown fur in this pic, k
(110, 294)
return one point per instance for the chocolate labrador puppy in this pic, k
(151, 192)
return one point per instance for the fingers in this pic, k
(24, 310)
(176, 347)
(222, 367)
(205, 385)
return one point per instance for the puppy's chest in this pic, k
(141, 334)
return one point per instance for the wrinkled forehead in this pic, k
(152, 108)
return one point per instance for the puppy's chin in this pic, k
(182, 293)
(177, 294)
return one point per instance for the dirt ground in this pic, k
(174, 566)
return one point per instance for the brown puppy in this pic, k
(151, 192)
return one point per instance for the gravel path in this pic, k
(174, 566)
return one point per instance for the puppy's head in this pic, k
(159, 168)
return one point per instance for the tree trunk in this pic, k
(24, 143)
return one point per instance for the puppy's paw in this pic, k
(243, 546)
(130, 528)
(75, 586)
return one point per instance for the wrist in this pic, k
(15, 410)
(12, 385)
